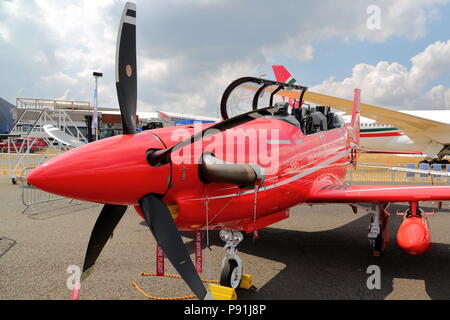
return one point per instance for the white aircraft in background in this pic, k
(424, 132)
(69, 140)
(154, 115)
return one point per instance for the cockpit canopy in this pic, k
(248, 93)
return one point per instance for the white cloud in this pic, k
(58, 78)
(433, 62)
(406, 18)
(5, 35)
(153, 70)
(393, 84)
(439, 96)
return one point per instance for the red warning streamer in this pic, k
(159, 261)
(198, 252)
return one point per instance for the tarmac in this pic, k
(320, 252)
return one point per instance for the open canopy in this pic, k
(248, 93)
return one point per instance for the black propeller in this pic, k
(165, 231)
(126, 70)
(104, 226)
(127, 94)
(155, 211)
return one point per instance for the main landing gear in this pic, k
(231, 264)
(378, 228)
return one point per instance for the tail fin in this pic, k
(355, 122)
(355, 128)
(282, 75)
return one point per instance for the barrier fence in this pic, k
(375, 174)
(13, 164)
(32, 196)
(6, 244)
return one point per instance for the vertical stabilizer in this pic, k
(355, 122)
(282, 75)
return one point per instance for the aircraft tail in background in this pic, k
(282, 75)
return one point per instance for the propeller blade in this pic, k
(104, 226)
(165, 231)
(159, 157)
(126, 71)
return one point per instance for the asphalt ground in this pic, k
(320, 252)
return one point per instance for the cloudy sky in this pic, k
(189, 50)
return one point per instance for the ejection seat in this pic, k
(319, 120)
(306, 120)
(283, 114)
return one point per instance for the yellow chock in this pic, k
(246, 281)
(222, 293)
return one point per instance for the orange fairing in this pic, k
(413, 236)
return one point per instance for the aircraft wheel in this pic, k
(231, 274)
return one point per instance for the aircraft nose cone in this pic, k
(112, 170)
(35, 177)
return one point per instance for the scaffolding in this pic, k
(39, 104)
(27, 144)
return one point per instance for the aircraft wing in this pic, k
(376, 193)
(62, 137)
(420, 130)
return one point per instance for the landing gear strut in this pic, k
(378, 228)
(231, 264)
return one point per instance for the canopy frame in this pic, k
(258, 85)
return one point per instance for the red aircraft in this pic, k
(239, 175)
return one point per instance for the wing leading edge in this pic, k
(422, 131)
(377, 193)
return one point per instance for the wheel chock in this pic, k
(222, 293)
(246, 281)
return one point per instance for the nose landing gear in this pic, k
(231, 264)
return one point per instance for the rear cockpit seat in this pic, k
(283, 114)
(308, 119)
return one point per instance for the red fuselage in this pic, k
(115, 171)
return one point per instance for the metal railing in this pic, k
(399, 174)
(5, 245)
(13, 164)
(26, 103)
(32, 196)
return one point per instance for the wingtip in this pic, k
(130, 5)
